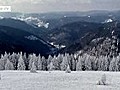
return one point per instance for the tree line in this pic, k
(75, 62)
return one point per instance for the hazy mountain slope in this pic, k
(15, 40)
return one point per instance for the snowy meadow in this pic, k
(58, 80)
(59, 72)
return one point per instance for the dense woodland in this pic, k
(76, 62)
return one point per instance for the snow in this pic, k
(57, 46)
(52, 43)
(32, 21)
(113, 32)
(1, 17)
(31, 37)
(108, 21)
(62, 46)
(58, 80)
(46, 25)
(89, 16)
(65, 16)
(97, 39)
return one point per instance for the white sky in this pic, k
(38, 6)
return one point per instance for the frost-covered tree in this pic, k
(102, 81)
(26, 61)
(106, 66)
(21, 64)
(88, 65)
(55, 61)
(32, 58)
(33, 68)
(100, 61)
(49, 59)
(3, 61)
(94, 63)
(51, 67)
(2, 66)
(9, 65)
(59, 60)
(79, 64)
(44, 63)
(39, 63)
(14, 59)
(73, 63)
(113, 65)
(64, 63)
(68, 69)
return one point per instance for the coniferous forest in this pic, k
(76, 62)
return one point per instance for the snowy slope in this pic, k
(33, 21)
(57, 80)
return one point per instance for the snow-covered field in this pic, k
(58, 80)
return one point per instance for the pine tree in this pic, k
(30, 58)
(44, 63)
(21, 64)
(100, 59)
(2, 66)
(113, 65)
(73, 63)
(14, 59)
(106, 67)
(103, 80)
(88, 65)
(49, 59)
(59, 60)
(33, 58)
(3, 61)
(9, 65)
(79, 64)
(64, 63)
(51, 67)
(33, 68)
(68, 69)
(55, 61)
(39, 63)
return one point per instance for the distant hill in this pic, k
(16, 40)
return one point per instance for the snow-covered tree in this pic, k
(102, 81)
(73, 62)
(14, 59)
(26, 61)
(55, 61)
(21, 64)
(100, 61)
(49, 59)
(2, 66)
(79, 64)
(68, 69)
(44, 63)
(113, 65)
(3, 61)
(88, 65)
(64, 63)
(32, 58)
(39, 63)
(59, 60)
(51, 67)
(106, 67)
(9, 65)
(33, 68)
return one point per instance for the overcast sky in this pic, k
(39, 6)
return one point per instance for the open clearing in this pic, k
(58, 80)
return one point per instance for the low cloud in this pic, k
(61, 5)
